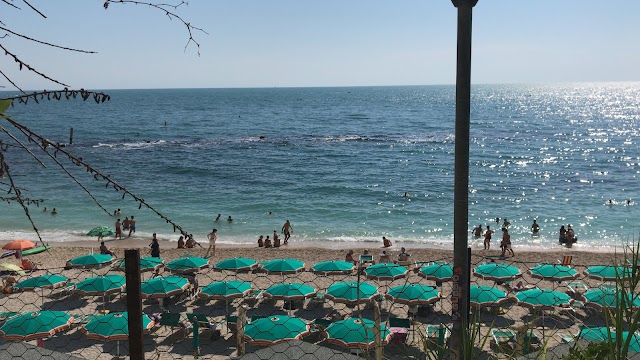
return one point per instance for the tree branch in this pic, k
(170, 14)
(33, 8)
(46, 43)
(22, 63)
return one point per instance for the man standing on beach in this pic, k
(212, 236)
(118, 229)
(132, 226)
(286, 230)
(487, 238)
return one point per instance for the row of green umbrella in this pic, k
(382, 271)
(42, 324)
(350, 333)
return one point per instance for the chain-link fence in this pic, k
(283, 308)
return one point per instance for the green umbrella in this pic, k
(609, 298)
(146, 264)
(187, 264)
(348, 292)
(413, 294)
(600, 334)
(497, 272)
(225, 290)
(283, 266)
(607, 272)
(333, 267)
(101, 285)
(437, 272)
(35, 325)
(237, 264)
(91, 260)
(543, 298)
(114, 326)
(47, 281)
(480, 296)
(386, 271)
(355, 333)
(275, 329)
(163, 286)
(101, 231)
(295, 291)
(553, 272)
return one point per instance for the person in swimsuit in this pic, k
(261, 241)
(118, 229)
(132, 226)
(286, 230)
(487, 238)
(535, 227)
(181, 244)
(212, 236)
(125, 223)
(477, 232)
(386, 242)
(276, 239)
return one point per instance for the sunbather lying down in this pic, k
(520, 286)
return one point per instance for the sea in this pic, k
(346, 165)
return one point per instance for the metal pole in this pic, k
(71, 136)
(377, 330)
(460, 285)
(134, 303)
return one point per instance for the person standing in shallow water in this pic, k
(487, 238)
(132, 226)
(286, 230)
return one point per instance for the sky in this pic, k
(291, 43)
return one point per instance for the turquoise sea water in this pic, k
(338, 161)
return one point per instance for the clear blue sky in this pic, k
(258, 43)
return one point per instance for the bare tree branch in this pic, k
(5, 170)
(33, 8)
(22, 145)
(46, 43)
(170, 14)
(11, 82)
(23, 64)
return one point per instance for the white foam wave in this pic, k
(132, 145)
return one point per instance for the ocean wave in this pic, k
(131, 145)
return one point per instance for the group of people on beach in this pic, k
(505, 243)
(385, 257)
(126, 225)
(567, 236)
(286, 230)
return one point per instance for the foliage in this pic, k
(621, 319)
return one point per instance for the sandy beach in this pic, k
(165, 343)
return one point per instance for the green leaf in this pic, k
(4, 105)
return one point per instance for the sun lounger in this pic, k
(502, 337)
(577, 287)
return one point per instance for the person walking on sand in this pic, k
(132, 226)
(155, 246)
(212, 236)
(487, 238)
(286, 230)
(118, 229)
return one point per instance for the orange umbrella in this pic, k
(19, 245)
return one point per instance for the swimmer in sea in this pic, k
(535, 227)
